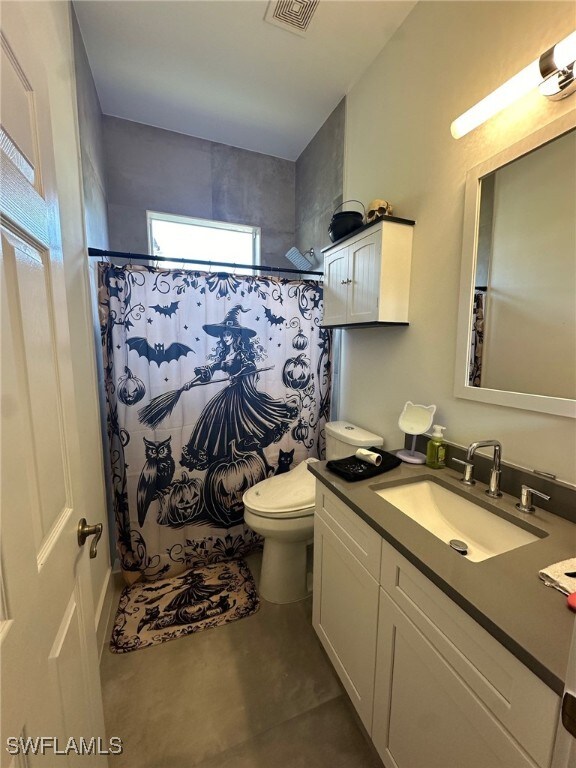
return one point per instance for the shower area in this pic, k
(213, 382)
(193, 418)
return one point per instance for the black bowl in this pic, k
(344, 223)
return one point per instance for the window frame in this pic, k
(152, 216)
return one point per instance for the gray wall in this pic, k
(154, 169)
(96, 222)
(319, 183)
(91, 148)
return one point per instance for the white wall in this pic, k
(398, 146)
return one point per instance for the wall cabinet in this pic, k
(444, 692)
(367, 277)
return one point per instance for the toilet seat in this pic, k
(293, 514)
(289, 495)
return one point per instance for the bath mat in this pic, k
(154, 612)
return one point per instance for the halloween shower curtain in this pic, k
(213, 383)
(477, 339)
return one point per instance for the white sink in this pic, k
(451, 517)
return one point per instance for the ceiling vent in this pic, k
(292, 15)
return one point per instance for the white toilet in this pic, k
(281, 509)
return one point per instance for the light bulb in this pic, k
(559, 57)
(565, 51)
(519, 85)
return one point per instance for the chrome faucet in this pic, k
(494, 484)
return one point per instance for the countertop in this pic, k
(504, 594)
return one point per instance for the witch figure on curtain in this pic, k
(240, 417)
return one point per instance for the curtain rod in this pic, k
(147, 257)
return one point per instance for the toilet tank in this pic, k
(344, 439)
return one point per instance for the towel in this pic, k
(351, 468)
(561, 576)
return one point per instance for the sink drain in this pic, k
(459, 546)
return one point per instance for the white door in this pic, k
(345, 615)
(364, 271)
(49, 660)
(426, 713)
(336, 283)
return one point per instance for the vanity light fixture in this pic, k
(554, 73)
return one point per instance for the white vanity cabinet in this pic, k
(444, 692)
(367, 276)
(345, 608)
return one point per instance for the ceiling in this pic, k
(215, 69)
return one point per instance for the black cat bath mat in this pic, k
(154, 612)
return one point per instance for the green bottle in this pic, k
(436, 448)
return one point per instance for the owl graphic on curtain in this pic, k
(156, 474)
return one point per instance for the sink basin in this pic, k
(450, 517)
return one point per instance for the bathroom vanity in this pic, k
(367, 275)
(448, 662)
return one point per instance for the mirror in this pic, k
(516, 341)
(415, 420)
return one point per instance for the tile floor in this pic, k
(255, 693)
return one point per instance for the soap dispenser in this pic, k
(436, 448)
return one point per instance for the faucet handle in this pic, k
(467, 478)
(525, 503)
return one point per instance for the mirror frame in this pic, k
(542, 403)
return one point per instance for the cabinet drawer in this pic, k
(356, 535)
(525, 706)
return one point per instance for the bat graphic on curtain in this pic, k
(167, 310)
(158, 353)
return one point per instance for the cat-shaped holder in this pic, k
(415, 420)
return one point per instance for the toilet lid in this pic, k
(288, 492)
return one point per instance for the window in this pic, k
(181, 237)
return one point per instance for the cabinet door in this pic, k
(335, 287)
(345, 616)
(425, 715)
(364, 258)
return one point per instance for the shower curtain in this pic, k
(477, 339)
(213, 382)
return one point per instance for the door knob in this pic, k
(85, 530)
